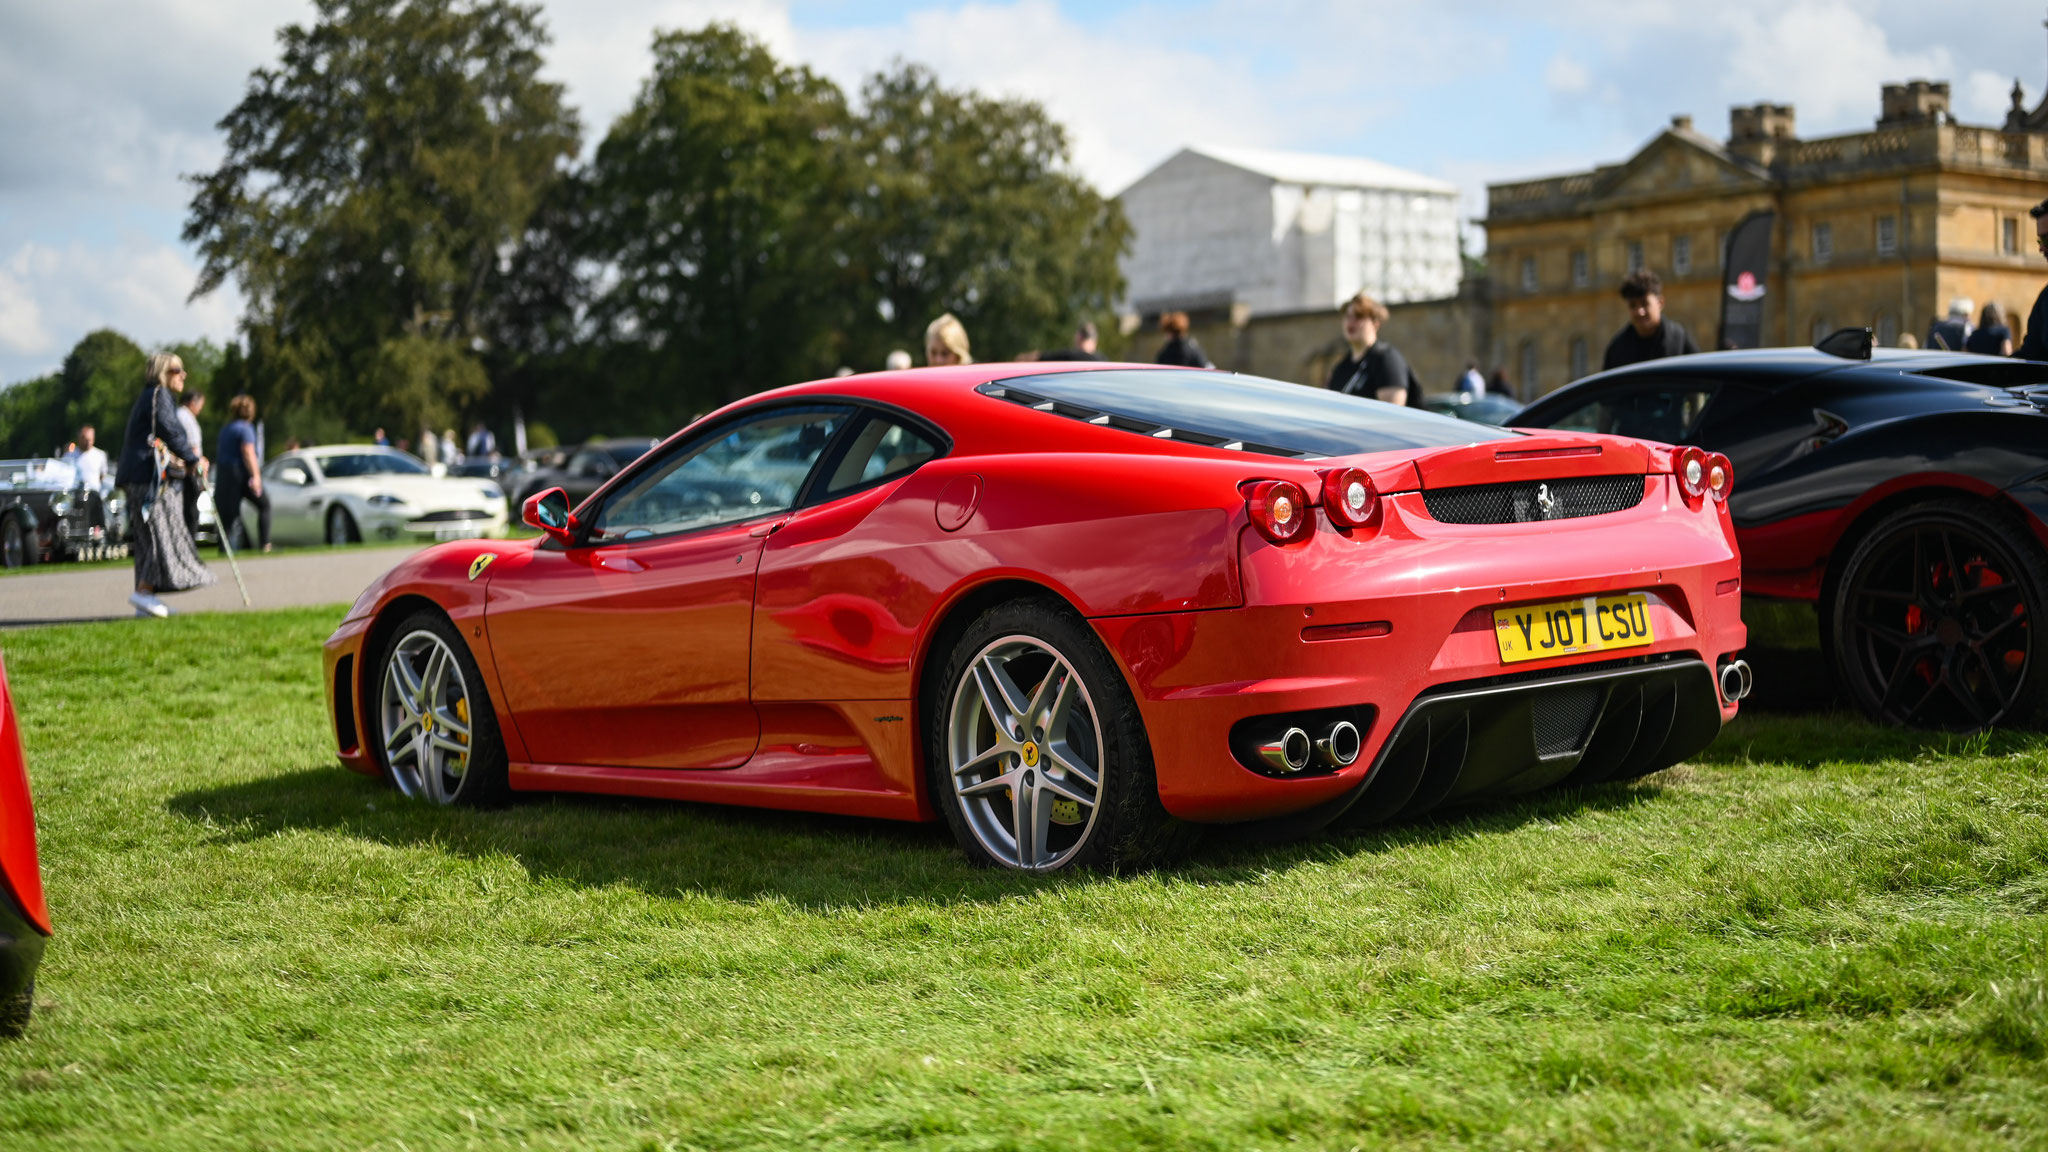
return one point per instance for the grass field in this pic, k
(1818, 934)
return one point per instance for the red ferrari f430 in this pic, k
(1072, 611)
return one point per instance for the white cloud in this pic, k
(50, 296)
(1128, 98)
(1565, 76)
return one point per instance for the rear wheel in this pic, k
(341, 527)
(1035, 750)
(437, 735)
(1932, 622)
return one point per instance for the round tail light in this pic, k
(1279, 510)
(1350, 498)
(1720, 476)
(1691, 466)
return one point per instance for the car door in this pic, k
(289, 483)
(631, 649)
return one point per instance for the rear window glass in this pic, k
(1245, 413)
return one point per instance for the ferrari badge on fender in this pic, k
(482, 561)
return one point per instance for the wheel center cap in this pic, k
(1031, 754)
(427, 721)
(1949, 632)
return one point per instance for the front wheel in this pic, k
(1933, 621)
(341, 527)
(1035, 749)
(437, 735)
(13, 543)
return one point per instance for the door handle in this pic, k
(767, 529)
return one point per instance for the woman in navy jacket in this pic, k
(165, 560)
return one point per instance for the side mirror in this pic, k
(549, 512)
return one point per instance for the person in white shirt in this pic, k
(91, 462)
(1472, 383)
(188, 416)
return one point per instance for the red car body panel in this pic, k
(777, 662)
(20, 870)
(1789, 558)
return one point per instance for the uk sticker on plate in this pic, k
(1570, 627)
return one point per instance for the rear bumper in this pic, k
(1421, 597)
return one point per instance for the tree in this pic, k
(967, 204)
(374, 180)
(716, 210)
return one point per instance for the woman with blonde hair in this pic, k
(945, 342)
(165, 560)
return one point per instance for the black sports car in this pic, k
(1905, 494)
(588, 467)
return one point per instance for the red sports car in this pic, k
(1072, 610)
(24, 916)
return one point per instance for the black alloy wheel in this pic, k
(13, 543)
(1933, 618)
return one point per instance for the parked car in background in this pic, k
(1904, 494)
(498, 470)
(1073, 610)
(46, 514)
(1489, 408)
(340, 494)
(586, 468)
(24, 916)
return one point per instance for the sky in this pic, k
(106, 105)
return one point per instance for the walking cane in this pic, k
(227, 546)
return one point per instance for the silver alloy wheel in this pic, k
(425, 718)
(1026, 765)
(337, 527)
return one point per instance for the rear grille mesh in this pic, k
(1523, 501)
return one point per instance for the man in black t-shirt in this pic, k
(1084, 345)
(1650, 334)
(1372, 368)
(2034, 342)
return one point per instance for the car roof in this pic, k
(1784, 364)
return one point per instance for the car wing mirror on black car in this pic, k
(549, 512)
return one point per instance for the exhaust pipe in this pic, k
(1736, 680)
(1287, 752)
(1339, 746)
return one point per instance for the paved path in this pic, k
(61, 593)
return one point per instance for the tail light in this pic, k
(1350, 498)
(1279, 510)
(1720, 476)
(1691, 467)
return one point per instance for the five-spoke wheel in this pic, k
(1933, 621)
(435, 730)
(1038, 758)
(1024, 751)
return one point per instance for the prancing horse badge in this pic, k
(482, 561)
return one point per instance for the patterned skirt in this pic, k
(165, 559)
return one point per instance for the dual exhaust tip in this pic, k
(1736, 680)
(1293, 749)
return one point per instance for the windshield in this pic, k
(1242, 412)
(346, 464)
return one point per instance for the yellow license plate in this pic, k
(1570, 627)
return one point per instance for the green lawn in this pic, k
(1819, 934)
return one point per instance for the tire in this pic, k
(341, 527)
(988, 782)
(428, 687)
(1931, 622)
(15, 1011)
(14, 547)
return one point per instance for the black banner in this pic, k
(1743, 269)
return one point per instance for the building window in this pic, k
(1887, 235)
(1635, 255)
(1529, 386)
(1681, 255)
(1582, 270)
(2009, 235)
(1823, 243)
(1578, 357)
(1528, 273)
